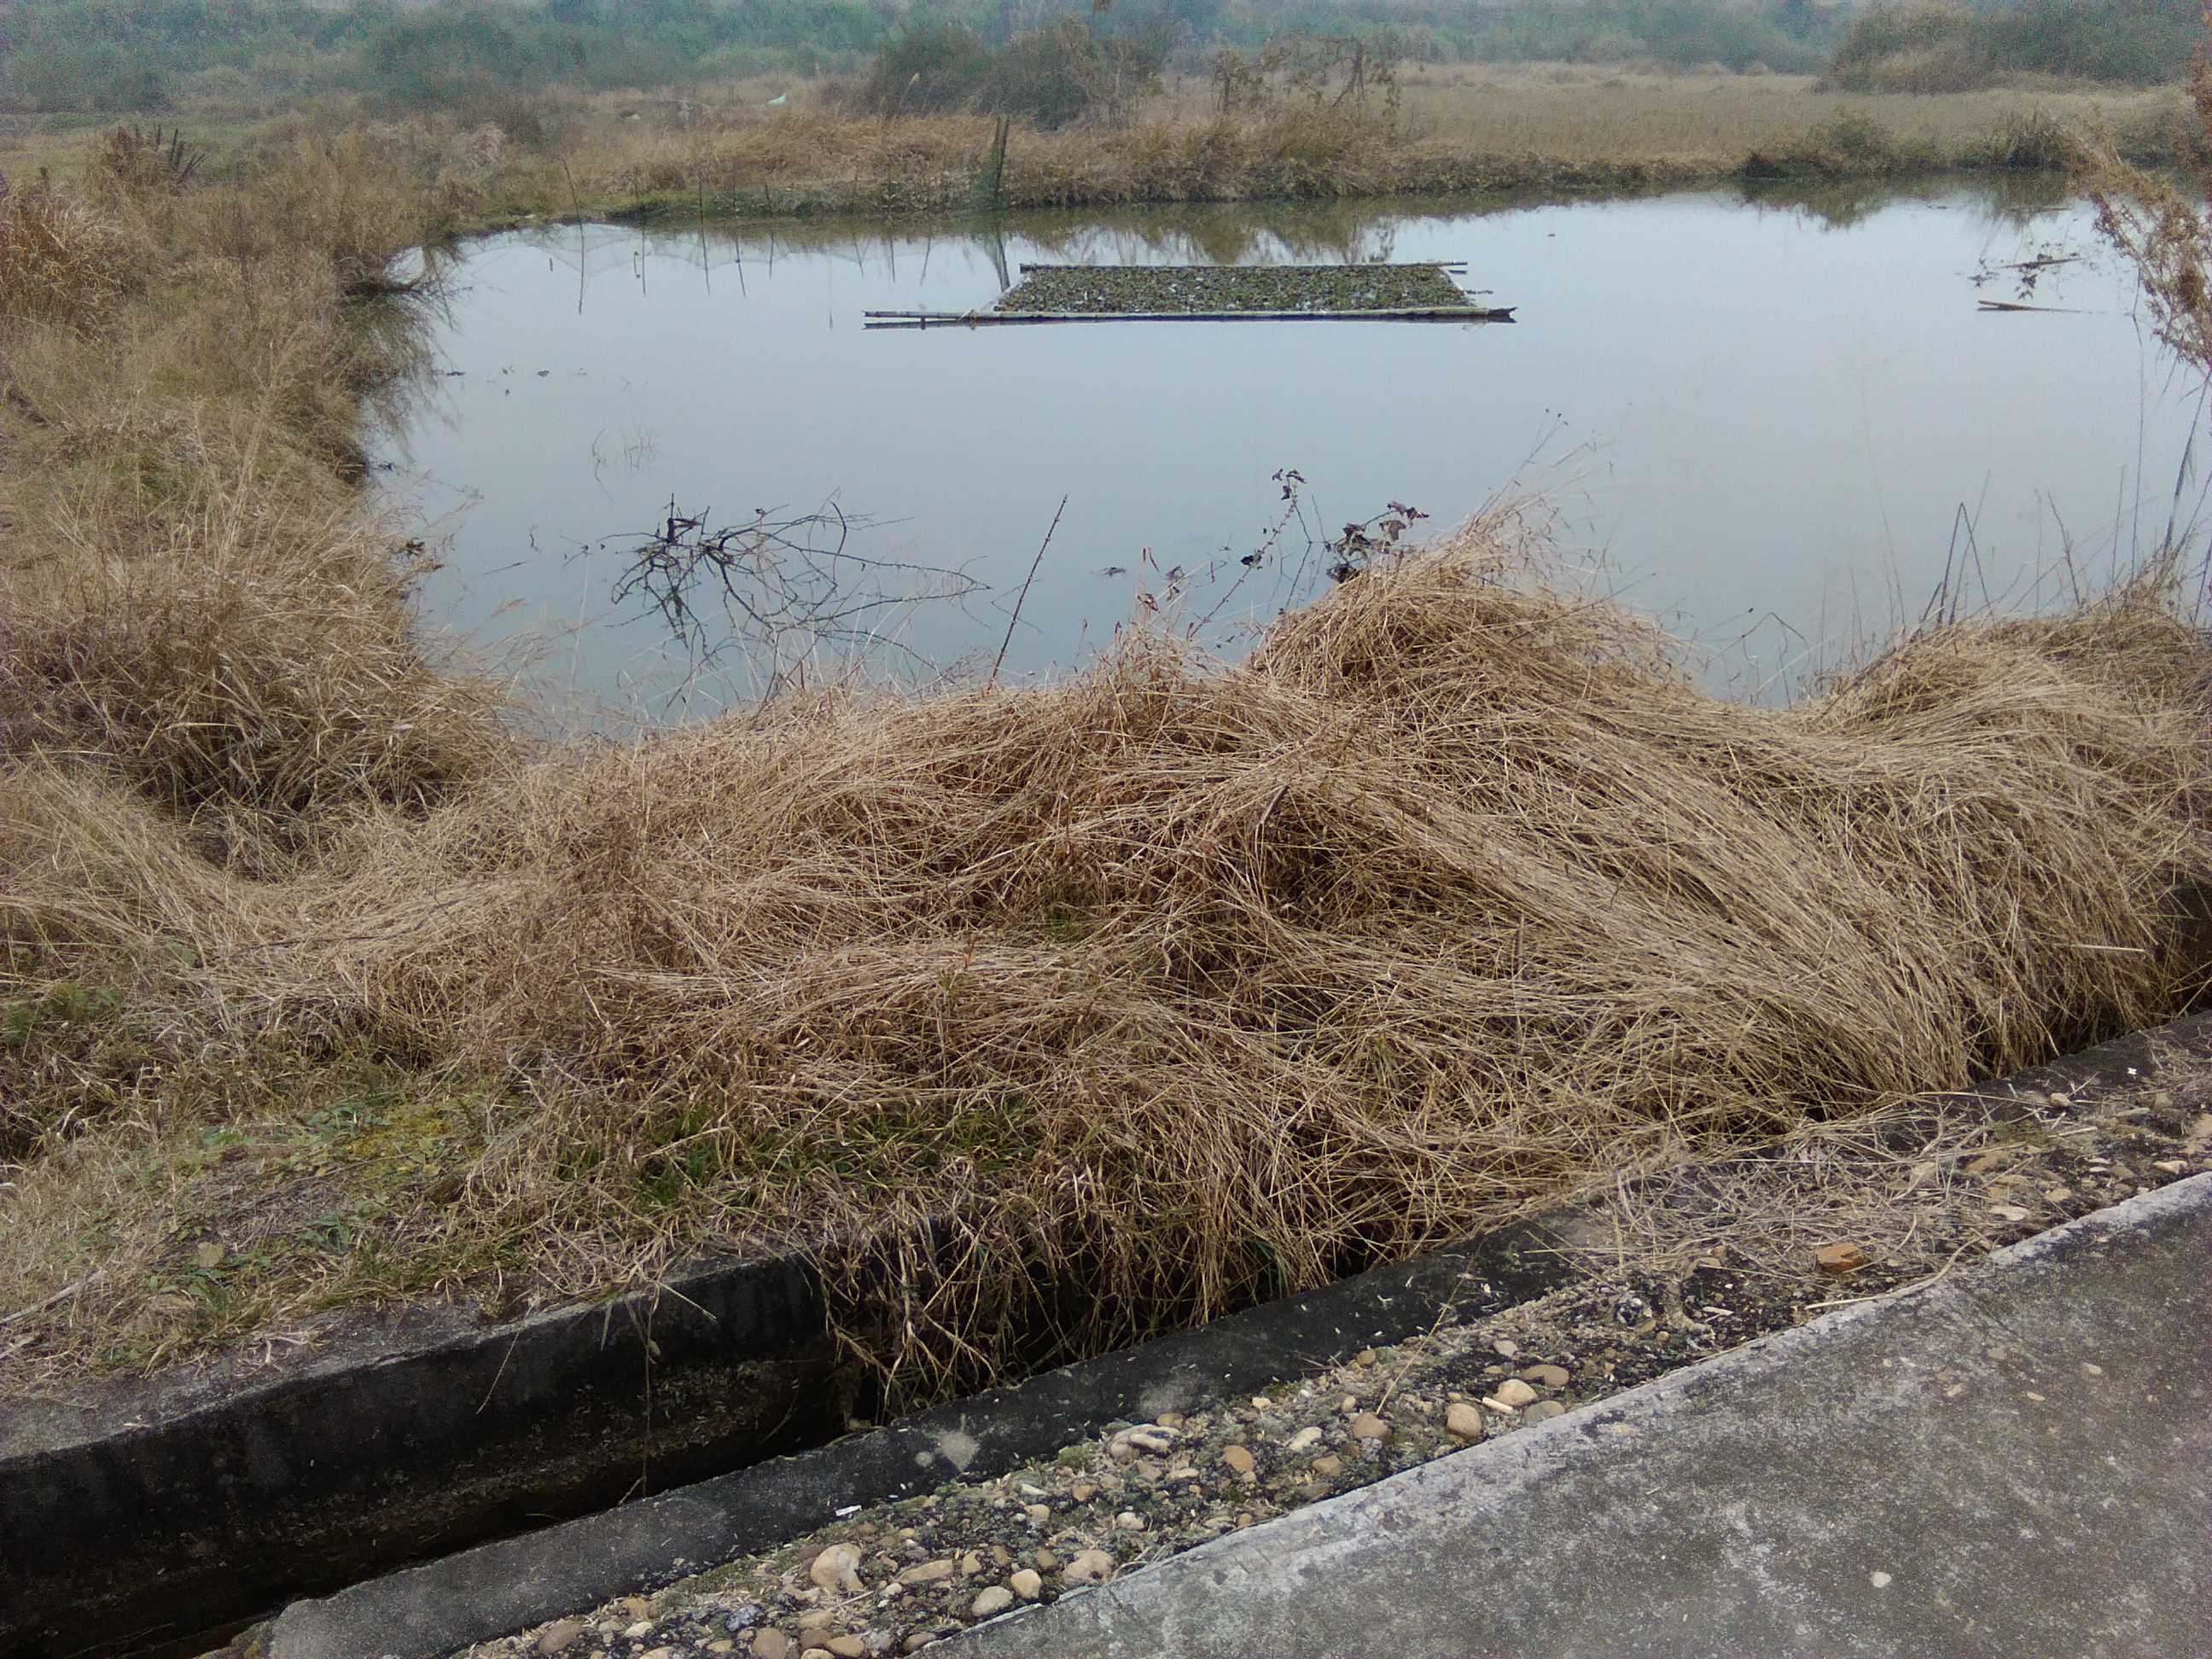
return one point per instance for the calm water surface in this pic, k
(1775, 428)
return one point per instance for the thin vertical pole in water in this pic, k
(1013, 620)
(706, 261)
(997, 198)
(576, 206)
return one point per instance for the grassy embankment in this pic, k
(1454, 129)
(323, 984)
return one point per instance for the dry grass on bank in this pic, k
(1177, 984)
(1182, 986)
(725, 152)
(1469, 130)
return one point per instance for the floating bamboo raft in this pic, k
(1424, 293)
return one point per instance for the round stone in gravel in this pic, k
(1549, 1377)
(771, 1644)
(1542, 1411)
(1239, 1459)
(1089, 1567)
(642, 1628)
(1513, 1392)
(1367, 1426)
(560, 1636)
(1462, 1421)
(991, 1601)
(1025, 1584)
(836, 1569)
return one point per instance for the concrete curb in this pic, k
(1888, 1480)
(133, 1521)
(426, 1611)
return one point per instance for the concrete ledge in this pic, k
(2018, 1463)
(430, 1610)
(139, 1516)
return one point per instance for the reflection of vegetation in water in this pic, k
(1350, 232)
(1840, 204)
(777, 589)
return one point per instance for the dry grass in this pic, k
(207, 660)
(1454, 130)
(60, 263)
(1074, 1011)
(1184, 987)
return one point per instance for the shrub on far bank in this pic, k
(1916, 46)
(1051, 76)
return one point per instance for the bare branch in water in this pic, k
(776, 585)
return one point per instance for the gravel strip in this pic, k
(1699, 1260)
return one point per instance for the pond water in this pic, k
(1775, 426)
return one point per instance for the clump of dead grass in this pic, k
(58, 261)
(1095, 1008)
(260, 656)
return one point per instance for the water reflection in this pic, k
(1777, 417)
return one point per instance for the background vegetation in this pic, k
(144, 56)
(1920, 47)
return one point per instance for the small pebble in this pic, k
(560, 1636)
(1550, 1377)
(991, 1601)
(1367, 1426)
(1089, 1567)
(1026, 1584)
(1463, 1421)
(642, 1628)
(1543, 1411)
(1514, 1393)
(1239, 1459)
